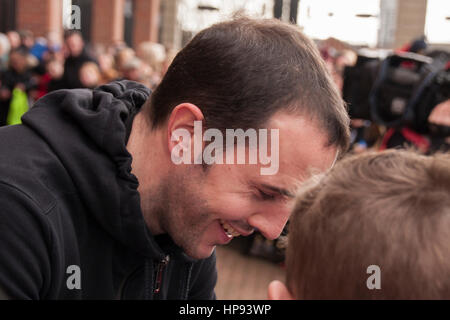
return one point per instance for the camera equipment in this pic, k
(358, 82)
(403, 81)
(399, 91)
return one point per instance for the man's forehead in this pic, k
(303, 144)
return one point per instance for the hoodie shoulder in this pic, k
(25, 262)
(86, 131)
(28, 164)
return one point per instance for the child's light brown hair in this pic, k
(390, 209)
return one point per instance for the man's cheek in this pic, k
(233, 209)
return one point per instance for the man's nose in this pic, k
(270, 224)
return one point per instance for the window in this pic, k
(437, 21)
(353, 21)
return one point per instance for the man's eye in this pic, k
(266, 196)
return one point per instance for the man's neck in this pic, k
(146, 148)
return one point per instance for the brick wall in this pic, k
(107, 21)
(146, 24)
(39, 16)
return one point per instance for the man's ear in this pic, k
(180, 131)
(278, 291)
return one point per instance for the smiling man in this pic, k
(93, 205)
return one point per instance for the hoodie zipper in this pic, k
(160, 269)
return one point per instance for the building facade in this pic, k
(174, 22)
(100, 21)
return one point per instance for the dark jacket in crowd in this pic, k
(10, 79)
(71, 225)
(72, 67)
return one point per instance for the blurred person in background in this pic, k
(418, 46)
(116, 46)
(27, 42)
(441, 116)
(342, 59)
(76, 56)
(47, 48)
(54, 48)
(90, 76)
(53, 42)
(107, 67)
(17, 76)
(14, 39)
(122, 56)
(5, 47)
(39, 48)
(51, 80)
(26, 39)
(51, 66)
(154, 55)
(134, 70)
(337, 60)
(365, 135)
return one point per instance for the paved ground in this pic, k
(242, 277)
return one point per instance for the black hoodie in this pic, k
(71, 225)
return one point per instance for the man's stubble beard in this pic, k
(181, 211)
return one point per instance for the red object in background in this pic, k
(416, 139)
(405, 48)
(43, 85)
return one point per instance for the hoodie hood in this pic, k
(88, 131)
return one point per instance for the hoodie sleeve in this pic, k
(204, 279)
(24, 256)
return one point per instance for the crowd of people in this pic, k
(37, 66)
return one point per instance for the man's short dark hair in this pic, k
(241, 72)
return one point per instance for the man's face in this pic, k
(202, 204)
(75, 45)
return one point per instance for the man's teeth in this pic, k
(229, 230)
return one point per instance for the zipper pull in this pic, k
(161, 266)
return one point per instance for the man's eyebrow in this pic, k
(281, 191)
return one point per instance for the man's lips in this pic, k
(233, 229)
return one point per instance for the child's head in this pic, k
(389, 209)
